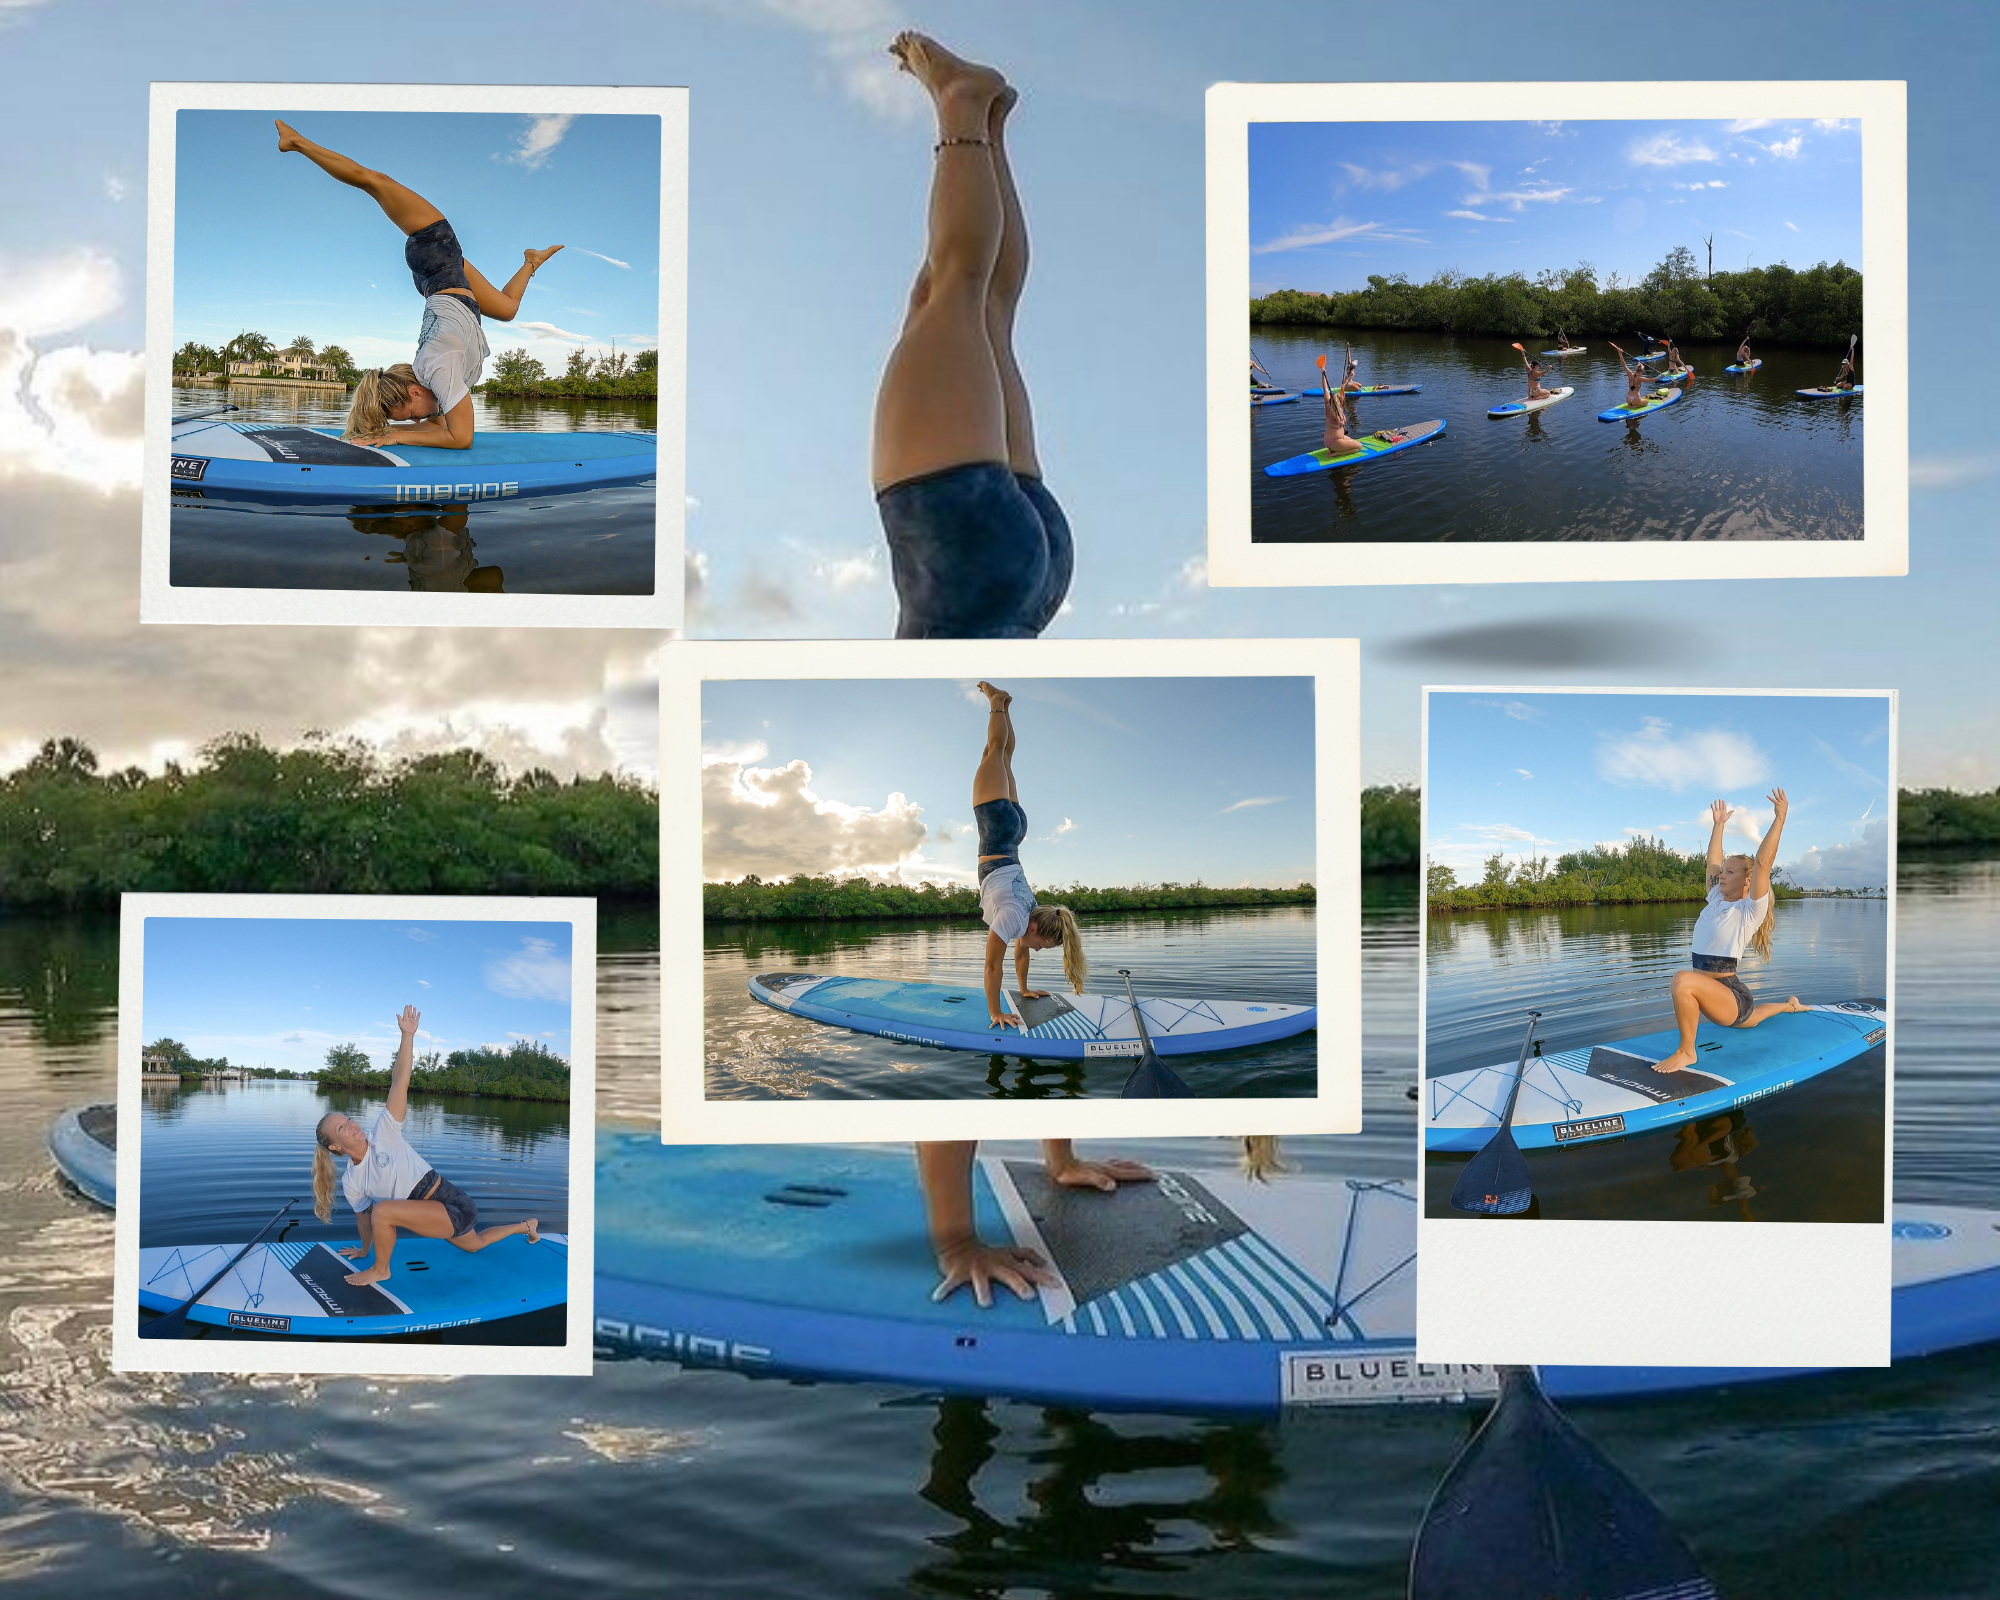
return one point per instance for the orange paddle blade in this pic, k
(1322, 363)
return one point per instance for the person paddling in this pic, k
(1335, 439)
(1636, 379)
(1536, 372)
(1743, 356)
(1846, 378)
(1739, 915)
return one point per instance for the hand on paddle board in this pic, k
(979, 1265)
(1104, 1175)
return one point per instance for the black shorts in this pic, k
(1723, 970)
(977, 551)
(435, 260)
(459, 1206)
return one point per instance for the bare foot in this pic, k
(289, 137)
(372, 1275)
(996, 699)
(1793, 1005)
(996, 114)
(533, 1228)
(946, 76)
(535, 258)
(1676, 1062)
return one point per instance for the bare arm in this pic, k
(1719, 814)
(1767, 852)
(399, 1075)
(1022, 955)
(996, 950)
(945, 1172)
(452, 431)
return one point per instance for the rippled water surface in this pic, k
(1872, 1486)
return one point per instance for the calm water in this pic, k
(1738, 458)
(597, 542)
(1879, 1485)
(754, 1052)
(1811, 1154)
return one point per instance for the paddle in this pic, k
(212, 411)
(1495, 1182)
(173, 1324)
(1531, 1510)
(1151, 1079)
(1848, 364)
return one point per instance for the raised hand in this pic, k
(1779, 804)
(408, 1022)
(1719, 813)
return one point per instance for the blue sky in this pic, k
(1332, 203)
(278, 992)
(1124, 780)
(808, 164)
(1541, 774)
(269, 242)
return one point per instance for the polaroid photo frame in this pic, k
(689, 1115)
(168, 473)
(1721, 1292)
(1236, 558)
(257, 1294)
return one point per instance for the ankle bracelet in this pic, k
(943, 143)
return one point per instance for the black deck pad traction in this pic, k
(1036, 1012)
(1100, 1242)
(324, 1276)
(1636, 1073)
(783, 982)
(306, 448)
(101, 1123)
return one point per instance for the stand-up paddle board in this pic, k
(294, 465)
(1828, 394)
(1657, 355)
(1272, 399)
(1520, 408)
(1750, 366)
(1680, 376)
(302, 1289)
(1572, 350)
(1057, 1027)
(1658, 400)
(1606, 1091)
(84, 1146)
(1373, 447)
(1387, 388)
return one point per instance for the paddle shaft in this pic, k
(1138, 1016)
(174, 1320)
(1149, 1058)
(1520, 1070)
(212, 411)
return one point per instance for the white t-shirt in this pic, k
(451, 349)
(1725, 927)
(1005, 901)
(389, 1171)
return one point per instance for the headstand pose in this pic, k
(978, 547)
(1738, 916)
(965, 1260)
(389, 1185)
(434, 390)
(1005, 901)
(1636, 379)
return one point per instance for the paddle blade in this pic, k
(1152, 1079)
(169, 1325)
(1531, 1510)
(1495, 1182)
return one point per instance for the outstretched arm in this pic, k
(1767, 852)
(944, 1170)
(1022, 955)
(996, 950)
(1719, 815)
(399, 1075)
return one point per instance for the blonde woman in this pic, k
(389, 1185)
(434, 389)
(1740, 911)
(965, 1261)
(1006, 903)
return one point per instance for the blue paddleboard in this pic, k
(1658, 400)
(1520, 408)
(1573, 350)
(84, 1146)
(1388, 388)
(1750, 367)
(293, 465)
(1828, 394)
(1657, 355)
(1606, 1091)
(1374, 446)
(1674, 377)
(1272, 399)
(1059, 1027)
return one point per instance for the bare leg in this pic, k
(941, 402)
(1773, 1008)
(502, 304)
(995, 778)
(426, 1218)
(1003, 296)
(1695, 996)
(404, 207)
(480, 1238)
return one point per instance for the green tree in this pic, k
(514, 368)
(1439, 881)
(336, 356)
(302, 347)
(646, 361)
(345, 1059)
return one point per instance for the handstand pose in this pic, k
(1636, 379)
(435, 389)
(389, 1185)
(1738, 916)
(1005, 901)
(978, 547)
(964, 1259)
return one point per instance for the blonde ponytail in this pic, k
(1760, 941)
(1058, 925)
(379, 389)
(1260, 1158)
(322, 1183)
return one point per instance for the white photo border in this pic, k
(1883, 549)
(1597, 1293)
(688, 1116)
(131, 1353)
(161, 601)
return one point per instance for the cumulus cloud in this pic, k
(1715, 759)
(768, 820)
(538, 141)
(1787, 149)
(1861, 863)
(70, 411)
(1669, 150)
(536, 971)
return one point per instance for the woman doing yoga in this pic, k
(434, 389)
(389, 1185)
(1738, 917)
(978, 547)
(1005, 901)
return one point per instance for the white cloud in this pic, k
(1521, 199)
(1949, 472)
(70, 412)
(548, 330)
(422, 936)
(601, 257)
(533, 972)
(1304, 235)
(851, 35)
(1518, 710)
(1714, 759)
(1828, 124)
(115, 187)
(1793, 226)
(1748, 124)
(743, 752)
(1496, 833)
(1861, 863)
(1524, 772)
(538, 141)
(1254, 801)
(1787, 149)
(1667, 150)
(1470, 216)
(768, 820)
